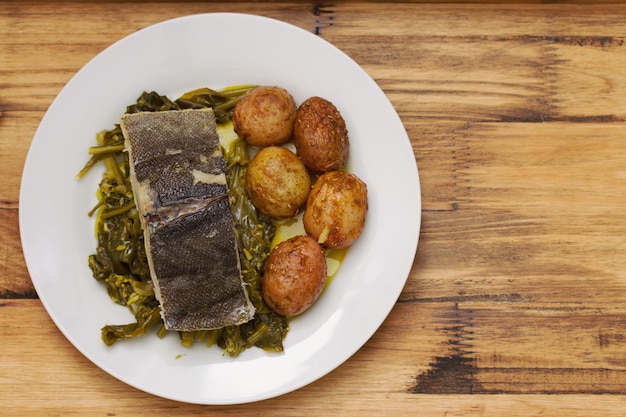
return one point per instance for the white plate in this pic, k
(217, 50)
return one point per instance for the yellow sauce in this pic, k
(227, 134)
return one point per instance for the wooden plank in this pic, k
(537, 211)
(506, 2)
(480, 347)
(508, 77)
(14, 278)
(17, 129)
(503, 346)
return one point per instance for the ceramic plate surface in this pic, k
(177, 56)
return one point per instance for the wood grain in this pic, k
(515, 303)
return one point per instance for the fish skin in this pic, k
(168, 145)
(179, 182)
(202, 267)
(172, 181)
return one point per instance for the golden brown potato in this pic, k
(294, 275)
(265, 116)
(336, 209)
(277, 181)
(320, 135)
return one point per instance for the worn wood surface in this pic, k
(516, 303)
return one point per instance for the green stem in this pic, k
(99, 150)
(117, 211)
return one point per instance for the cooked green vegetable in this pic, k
(120, 260)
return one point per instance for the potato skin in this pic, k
(265, 116)
(277, 182)
(338, 202)
(294, 275)
(320, 135)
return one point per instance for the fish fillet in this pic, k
(179, 181)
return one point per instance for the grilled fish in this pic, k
(179, 182)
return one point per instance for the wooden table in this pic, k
(516, 302)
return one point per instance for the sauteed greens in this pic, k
(120, 260)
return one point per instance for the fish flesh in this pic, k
(179, 180)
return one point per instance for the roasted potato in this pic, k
(265, 116)
(277, 182)
(320, 135)
(336, 209)
(294, 275)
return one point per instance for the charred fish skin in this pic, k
(179, 181)
(216, 298)
(176, 156)
(172, 179)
